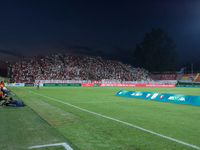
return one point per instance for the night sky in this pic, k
(106, 28)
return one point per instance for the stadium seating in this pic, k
(69, 67)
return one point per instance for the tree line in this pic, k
(157, 51)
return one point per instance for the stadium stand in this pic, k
(69, 67)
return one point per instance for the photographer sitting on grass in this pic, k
(3, 97)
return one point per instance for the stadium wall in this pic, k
(108, 81)
(89, 84)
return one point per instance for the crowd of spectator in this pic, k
(70, 67)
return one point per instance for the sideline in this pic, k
(143, 129)
(67, 147)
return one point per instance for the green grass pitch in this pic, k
(93, 118)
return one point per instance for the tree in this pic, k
(157, 52)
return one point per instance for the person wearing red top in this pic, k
(1, 84)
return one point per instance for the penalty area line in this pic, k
(143, 129)
(67, 147)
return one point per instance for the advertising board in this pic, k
(62, 84)
(140, 85)
(96, 84)
(63, 81)
(166, 97)
(14, 84)
(87, 84)
(29, 84)
(168, 77)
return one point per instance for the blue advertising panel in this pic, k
(123, 93)
(195, 100)
(166, 97)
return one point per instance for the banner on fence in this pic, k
(142, 85)
(29, 84)
(168, 77)
(61, 84)
(87, 84)
(14, 84)
(63, 81)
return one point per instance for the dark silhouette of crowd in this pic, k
(70, 67)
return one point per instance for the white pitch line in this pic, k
(67, 147)
(103, 101)
(143, 129)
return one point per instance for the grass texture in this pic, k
(93, 118)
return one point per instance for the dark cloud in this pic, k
(120, 54)
(106, 52)
(76, 49)
(13, 52)
(82, 48)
